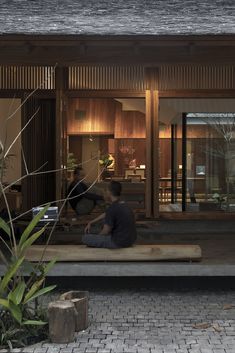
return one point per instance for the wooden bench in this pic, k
(81, 253)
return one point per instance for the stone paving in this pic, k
(154, 322)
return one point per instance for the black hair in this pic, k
(77, 171)
(115, 188)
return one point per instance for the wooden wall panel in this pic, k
(196, 77)
(193, 131)
(38, 143)
(130, 124)
(27, 77)
(107, 77)
(94, 116)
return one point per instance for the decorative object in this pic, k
(80, 301)
(61, 315)
(219, 199)
(71, 162)
(106, 160)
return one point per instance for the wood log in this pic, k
(61, 315)
(135, 253)
(80, 301)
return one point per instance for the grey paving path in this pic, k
(151, 322)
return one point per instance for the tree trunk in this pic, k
(80, 301)
(61, 316)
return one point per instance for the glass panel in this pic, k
(210, 162)
(170, 166)
(107, 136)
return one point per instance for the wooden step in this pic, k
(81, 253)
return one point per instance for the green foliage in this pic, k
(106, 160)
(71, 161)
(18, 321)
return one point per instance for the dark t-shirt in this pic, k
(122, 222)
(78, 190)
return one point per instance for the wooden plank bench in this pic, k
(81, 253)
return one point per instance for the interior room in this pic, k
(107, 136)
(200, 149)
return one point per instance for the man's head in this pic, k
(114, 190)
(78, 173)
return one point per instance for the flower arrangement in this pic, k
(106, 160)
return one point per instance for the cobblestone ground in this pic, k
(152, 322)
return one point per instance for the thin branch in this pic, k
(18, 135)
(55, 223)
(32, 93)
(10, 217)
(36, 172)
(59, 214)
(24, 160)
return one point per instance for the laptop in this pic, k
(50, 216)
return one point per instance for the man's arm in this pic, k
(106, 230)
(97, 219)
(94, 197)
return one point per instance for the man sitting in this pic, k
(80, 198)
(119, 229)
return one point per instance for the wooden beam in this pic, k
(149, 164)
(61, 128)
(27, 50)
(82, 253)
(156, 172)
(112, 93)
(152, 142)
(198, 93)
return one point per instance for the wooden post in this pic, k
(61, 130)
(80, 301)
(152, 143)
(61, 315)
(155, 112)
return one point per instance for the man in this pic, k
(119, 229)
(81, 199)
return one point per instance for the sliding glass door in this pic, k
(209, 162)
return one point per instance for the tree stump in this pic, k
(80, 301)
(62, 321)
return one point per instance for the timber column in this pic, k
(61, 83)
(152, 142)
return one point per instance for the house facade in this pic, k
(152, 103)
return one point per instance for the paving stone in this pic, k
(152, 322)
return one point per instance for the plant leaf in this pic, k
(48, 266)
(5, 303)
(40, 292)
(15, 311)
(32, 225)
(10, 273)
(32, 239)
(5, 227)
(33, 289)
(34, 322)
(16, 296)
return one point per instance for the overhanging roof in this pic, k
(117, 17)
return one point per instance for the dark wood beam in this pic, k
(147, 50)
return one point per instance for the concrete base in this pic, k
(150, 269)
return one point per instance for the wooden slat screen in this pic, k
(107, 77)
(196, 77)
(38, 143)
(27, 77)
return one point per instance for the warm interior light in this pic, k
(180, 166)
